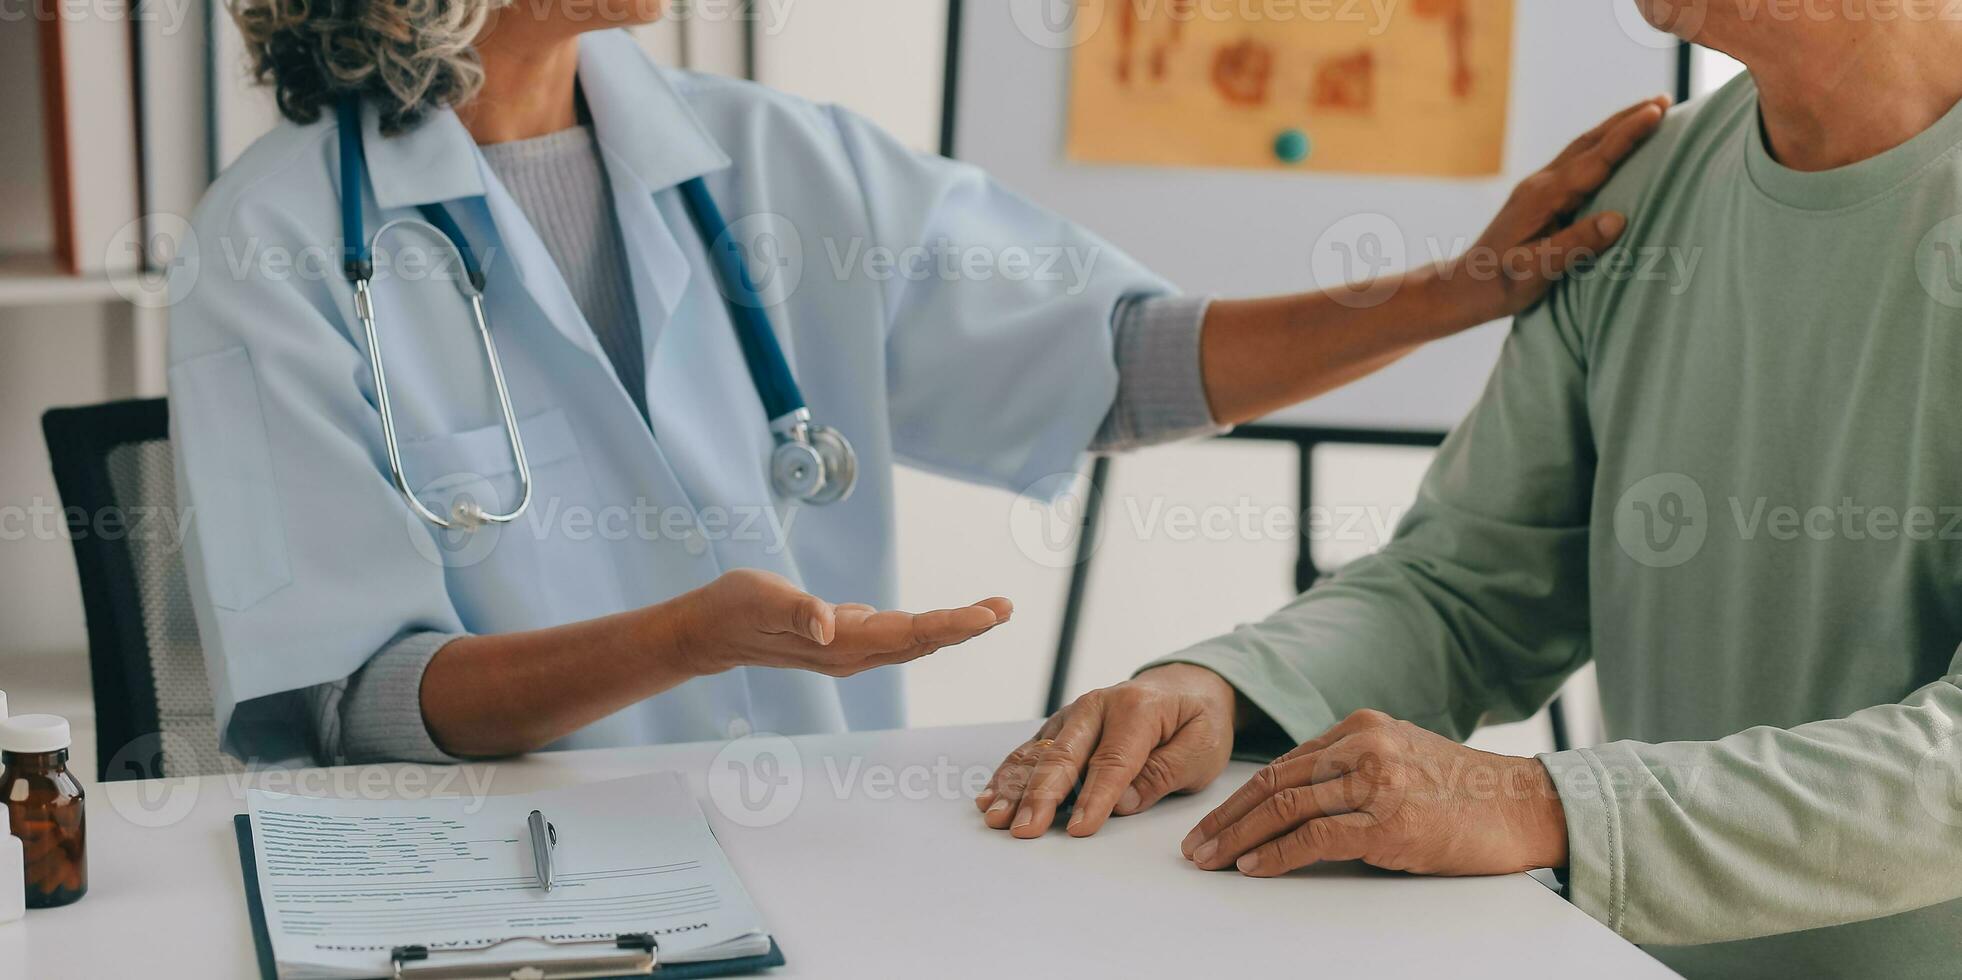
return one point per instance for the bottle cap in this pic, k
(33, 733)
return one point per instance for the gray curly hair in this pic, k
(405, 56)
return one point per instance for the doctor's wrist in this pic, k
(674, 633)
(1460, 296)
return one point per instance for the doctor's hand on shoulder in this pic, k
(1254, 349)
(1535, 241)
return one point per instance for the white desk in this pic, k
(881, 870)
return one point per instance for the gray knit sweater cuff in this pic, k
(376, 715)
(1161, 392)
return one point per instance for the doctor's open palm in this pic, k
(494, 695)
(751, 618)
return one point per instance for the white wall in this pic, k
(880, 57)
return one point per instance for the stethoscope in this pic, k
(811, 463)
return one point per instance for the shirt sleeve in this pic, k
(1769, 831)
(1477, 610)
(375, 715)
(1000, 357)
(1161, 386)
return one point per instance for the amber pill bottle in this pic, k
(44, 804)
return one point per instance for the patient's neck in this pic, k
(1836, 94)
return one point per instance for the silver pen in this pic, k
(544, 837)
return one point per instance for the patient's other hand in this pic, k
(1167, 730)
(1534, 241)
(1391, 794)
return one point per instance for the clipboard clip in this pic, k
(635, 954)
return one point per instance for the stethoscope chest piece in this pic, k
(840, 464)
(813, 463)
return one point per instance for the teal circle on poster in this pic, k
(1292, 146)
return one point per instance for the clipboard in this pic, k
(567, 970)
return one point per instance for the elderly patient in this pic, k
(1735, 490)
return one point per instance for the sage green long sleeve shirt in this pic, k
(1726, 466)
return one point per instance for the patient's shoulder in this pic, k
(1693, 138)
(1659, 187)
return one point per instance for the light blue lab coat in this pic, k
(303, 559)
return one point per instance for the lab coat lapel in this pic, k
(435, 161)
(639, 117)
(659, 269)
(537, 273)
(650, 141)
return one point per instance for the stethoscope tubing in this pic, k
(469, 516)
(813, 463)
(783, 402)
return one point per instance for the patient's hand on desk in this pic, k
(1168, 730)
(1390, 794)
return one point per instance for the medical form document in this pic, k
(344, 882)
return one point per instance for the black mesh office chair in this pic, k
(113, 466)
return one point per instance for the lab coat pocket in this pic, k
(533, 570)
(227, 464)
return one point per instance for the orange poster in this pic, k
(1411, 87)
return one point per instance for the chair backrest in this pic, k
(114, 467)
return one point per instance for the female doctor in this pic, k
(636, 518)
